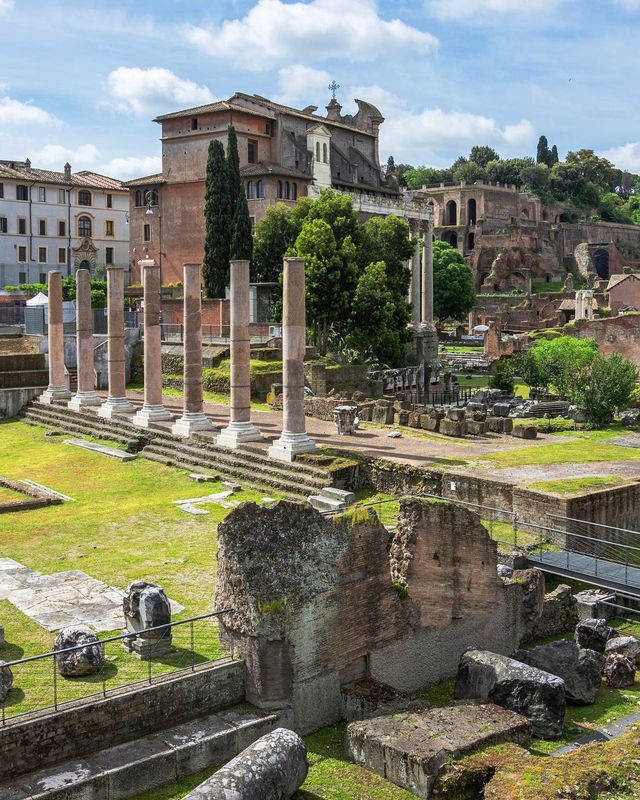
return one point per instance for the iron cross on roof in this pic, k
(333, 87)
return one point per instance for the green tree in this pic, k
(592, 168)
(606, 388)
(241, 242)
(508, 171)
(331, 276)
(274, 235)
(527, 367)
(217, 215)
(372, 329)
(542, 151)
(453, 287)
(469, 171)
(535, 178)
(613, 208)
(563, 362)
(483, 154)
(502, 377)
(417, 177)
(554, 158)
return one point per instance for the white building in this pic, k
(59, 220)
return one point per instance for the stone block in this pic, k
(591, 604)
(627, 645)
(529, 691)
(403, 417)
(500, 410)
(594, 634)
(507, 425)
(579, 668)
(619, 671)
(425, 421)
(382, 415)
(475, 428)
(86, 661)
(369, 698)
(525, 432)
(472, 405)
(414, 419)
(456, 414)
(451, 428)
(433, 423)
(366, 413)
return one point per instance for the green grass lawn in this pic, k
(581, 449)
(573, 485)
(9, 496)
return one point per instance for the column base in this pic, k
(84, 400)
(148, 415)
(289, 445)
(55, 394)
(237, 433)
(190, 422)
(429, 336)
(114, 406)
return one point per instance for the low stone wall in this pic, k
(124, 717)
(13, 401)
(33, 498)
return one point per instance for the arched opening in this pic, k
(601, 263)
(287, 190)
(294, 188)
(279, 189)
(545, 216)
(260, 190)
(451, 213)
(325, 157)
(84, 227)
(250, 190)
(471, 212)
(451, 237)
(85, 264)
(471, 241)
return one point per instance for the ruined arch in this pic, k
(472, 212)
(450, 237)
(451, 213)
(601, 263)
(471, 241)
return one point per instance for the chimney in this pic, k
(67, 171)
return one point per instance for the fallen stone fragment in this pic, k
(529, 691)
(580, 669)
(619, 671)
(86, 661)
(594, 634)
(394, 435)
(627, 645)
(504, 571)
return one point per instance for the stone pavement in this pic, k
(64, 598)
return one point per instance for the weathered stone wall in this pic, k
(321, 603)
(124, 717)
(614, 335)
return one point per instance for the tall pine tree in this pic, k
(241, 245)
(217, 222)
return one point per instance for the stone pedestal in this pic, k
(116, 402)
(293, 439)
(152, 410)
(240, 428)
(57, 390)
(86, 394)
(345, 417)
(193, 417)
(145, 605)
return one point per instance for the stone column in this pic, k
(116, 402)
(293, 439)
(415, 283)
(430, 343)
(152, 409)
(193, 417)
(57, 389)
(240, 428)
(86, 395)
(579, 305)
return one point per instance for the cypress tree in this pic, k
(241, 235)
(542, 152)
(217, 214)
(554, 156)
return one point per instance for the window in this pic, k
(42, 227)
(108, 227)
(138, 200)
(3, 224)
(22, 277)
(317, 151)
(294, 194)
(22, 255)
(1, 190)
(84, 227)
(147, 233)
(42, 194)
(194, 124)
(62, 196)
(260, 190)
(152, 197)
(250, 190)
(22, 226)
(84, 198)
(62, 255)
(252, 151)
(62, 227)
(324, 153)
(287, 191)
(252, 220)
(279, 189)
(22, 192)
(43, 277)
(109, 255)
(42, 255)
(109, 201)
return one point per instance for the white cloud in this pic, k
(298, 84)
(56, 155)
(481, 10)
(131, 167)
(3, 87)
(6, 5)
(418, 137)
(627, 156)
(15, 112)
(153, 90)
(276, 32)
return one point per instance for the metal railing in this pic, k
(12, 315)
(211, 334)
(176, 647)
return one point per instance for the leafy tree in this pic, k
(453, 286)
(562, 362)
(469, 171)
(331, 276)
(542, 151)
(416, 177)
(502, 377)
(241, 245)
(372, 329)
(482, 155)
(592, 168)
(274, 235)
(217, 214)
(527, 367)
(568, 182)
(508, 171)
(535, 178)
(606, 387)
(614, 209)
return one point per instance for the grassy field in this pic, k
(573, 485)
(213, 397)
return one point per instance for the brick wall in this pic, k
(614, 335)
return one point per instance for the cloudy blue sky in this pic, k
(80, 80)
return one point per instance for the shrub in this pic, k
(503, 377)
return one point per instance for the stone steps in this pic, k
(82, 424)
(148, 762)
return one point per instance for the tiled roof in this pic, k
(18, 170)
(147, 180)
(614, 280)
(266, 168)
(209, 108)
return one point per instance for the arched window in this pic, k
(279, 189)
(294, 195)
(260, 190)
(138, 198)
(317, 151)
(451, 213)
(84, 198)
(471, 212)
(250, 190)
(153, 197)
(84, 227)
(324, 153)
(287, 191)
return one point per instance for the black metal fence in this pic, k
(12, 315)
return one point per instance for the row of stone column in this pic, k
(293, 439)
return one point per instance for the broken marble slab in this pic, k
(112, 452)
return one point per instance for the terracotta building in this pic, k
(624, 292)
(282, 152)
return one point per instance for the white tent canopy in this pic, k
(39, 300)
